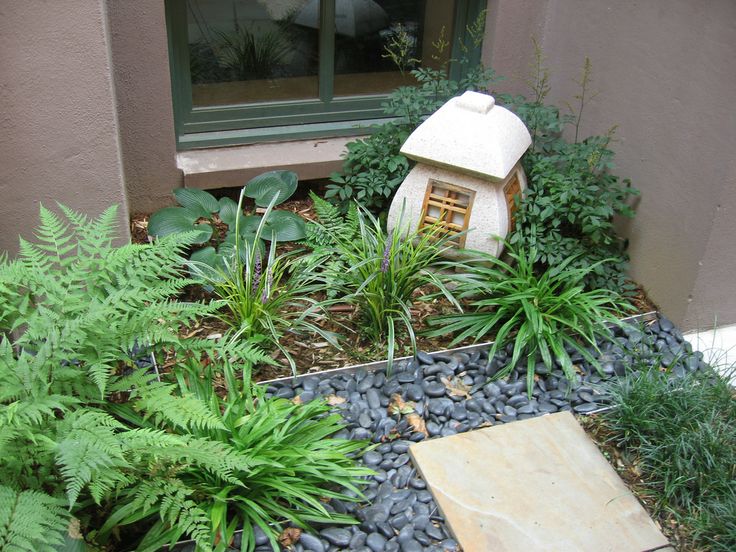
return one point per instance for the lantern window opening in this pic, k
(447, 208)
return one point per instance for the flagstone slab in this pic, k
(535, 485)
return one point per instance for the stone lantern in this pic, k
(467, 172)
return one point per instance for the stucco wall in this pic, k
(665, 73)
(58, 128)
(143, 89)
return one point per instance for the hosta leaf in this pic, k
(285, 225)
(264, 187)
(228, 212)
(206, 255)
(202, 203)
(229, 244)
(175, 220)
(249, 225)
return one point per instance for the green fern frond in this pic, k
(186, 412)
(31, 521)
(89, 446)
(332, 226)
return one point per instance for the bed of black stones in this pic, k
(401, 514)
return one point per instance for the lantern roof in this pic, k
(470, 134)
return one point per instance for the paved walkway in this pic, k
(534, 485)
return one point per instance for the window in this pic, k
(448, 206)
(254, 70)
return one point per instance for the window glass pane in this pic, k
(368, 33)
(249, 51)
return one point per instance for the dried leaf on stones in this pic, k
(457, 387)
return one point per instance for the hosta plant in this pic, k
(545, 316)
(198, 209)
(263, 294)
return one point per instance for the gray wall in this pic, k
(58, 125)
(665, 71)
(145, 114)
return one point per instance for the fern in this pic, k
(183, 412)
(30, 521)
(333, 225)
(74, 308)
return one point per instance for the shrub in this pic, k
(546, 315)
(263, 296)
(569, 207)
(384, 271)
(681, 435)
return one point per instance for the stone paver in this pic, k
(535, 485)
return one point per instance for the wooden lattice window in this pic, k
(447, 206)
(510, 190)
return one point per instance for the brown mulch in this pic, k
(626, 465)
(312, 353)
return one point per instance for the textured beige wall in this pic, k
(143, 89)
(665, 73)
(58, 128)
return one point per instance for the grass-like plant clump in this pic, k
(680, 435)
(263, 293)
(547, 315)
(385, 269)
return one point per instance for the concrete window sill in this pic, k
(234, 166)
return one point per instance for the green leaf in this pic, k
(249, 225)
(206, 255)
(286, 226)
(228, 212)
(264, 187)
(176, 220)
(202, 203)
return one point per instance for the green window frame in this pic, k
(199, 127)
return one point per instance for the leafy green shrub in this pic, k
(545, 315)
(196, 205)
(372, 170)
(373, 166)
(384, 270)
(263, 295)
(569, 207)
(681, 433)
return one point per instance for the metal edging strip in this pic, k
(399, 362)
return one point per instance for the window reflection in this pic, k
(247, 51)
(251, 51)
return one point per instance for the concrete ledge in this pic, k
(234, 166)
(718, 346)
